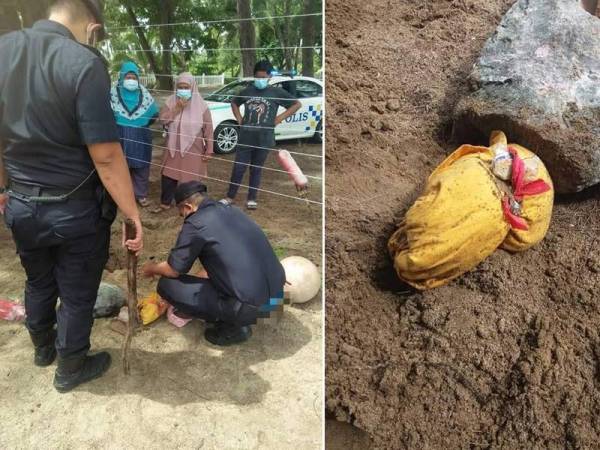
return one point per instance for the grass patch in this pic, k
(280, 252)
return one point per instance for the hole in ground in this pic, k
(343, 436)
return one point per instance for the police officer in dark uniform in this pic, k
(243, 271)
(61, 162)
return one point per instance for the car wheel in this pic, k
(318, 137)
(226, 138)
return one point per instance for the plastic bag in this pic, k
(11, 311)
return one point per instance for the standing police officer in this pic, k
(60, 153)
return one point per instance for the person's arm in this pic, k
(3, 180)
(112, 168)
(186, 251)
(163, 269)
(208, 134)
(168, 115)
(153, 120)
(99, 132)
(236, 102)
(288, 112)
(236, 112)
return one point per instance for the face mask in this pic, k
(261, 83)
(185, 94)
(131, 85)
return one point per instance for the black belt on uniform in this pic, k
(51, 195)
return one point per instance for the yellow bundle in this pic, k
(477, 200)
(151, 308)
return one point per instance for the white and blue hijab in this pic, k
(132, 108)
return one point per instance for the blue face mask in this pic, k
(185, 94)
(261, 83)
(131, 85)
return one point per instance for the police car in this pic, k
(306, 123)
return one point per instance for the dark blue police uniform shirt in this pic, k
(234, 251)
(54, 101)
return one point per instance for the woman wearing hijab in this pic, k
(189, 141)
(135, 110)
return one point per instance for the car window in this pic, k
(289, 86)
(225, 94)
(308, 89)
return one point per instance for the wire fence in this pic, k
(235, 184)
(310, 155)
(209, 50)
(212, 22)
(217, 80)
(188, 152)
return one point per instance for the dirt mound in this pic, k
(506, 356)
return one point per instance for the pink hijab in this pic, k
(189, 123)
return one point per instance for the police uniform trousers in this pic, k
(63, 248)
(198, 297)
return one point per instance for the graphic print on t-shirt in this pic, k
(258, 109)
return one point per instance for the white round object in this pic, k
(303, 277)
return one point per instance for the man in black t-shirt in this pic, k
(257, 129)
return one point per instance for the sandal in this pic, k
(159, 209)
(143, 202)
(251, 204)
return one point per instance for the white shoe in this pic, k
(251, 204)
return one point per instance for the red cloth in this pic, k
(520, 190)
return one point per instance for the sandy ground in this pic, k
(183, 392)
(506, 356)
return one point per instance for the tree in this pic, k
(33, 10)
(166, 39)
(9, 19)
(142, 37)
(204, 36)
(308, 37)
(247, 38)
(160, 14)
(30, 11)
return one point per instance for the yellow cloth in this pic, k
(458, 221)
(151, 308)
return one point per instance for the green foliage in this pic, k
(187, 43)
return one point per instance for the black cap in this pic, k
(96, 7)
(186, 190)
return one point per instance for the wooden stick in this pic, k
(132, 323)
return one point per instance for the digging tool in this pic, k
(133, 321)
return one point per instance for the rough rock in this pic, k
(109, 301)
(538, 79)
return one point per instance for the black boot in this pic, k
(225, 334)
(77, 369)
(45, 349)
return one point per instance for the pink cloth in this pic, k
(190, 136)
(179, 322)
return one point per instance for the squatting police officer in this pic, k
(243, 273)
(60, 156)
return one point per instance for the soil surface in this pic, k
(183, 392)
(508, 355)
